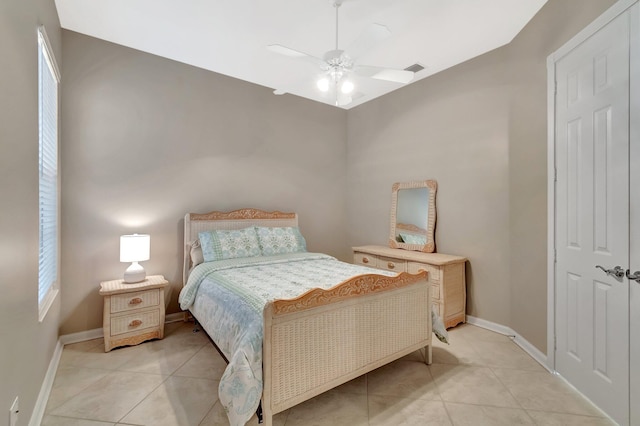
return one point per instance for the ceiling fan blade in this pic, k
(372, 35)
(292, 53)
(286, 51)
(386, 74)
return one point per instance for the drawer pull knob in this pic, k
(135, 301)
(365, 260)
(135, 323)
(391, 265)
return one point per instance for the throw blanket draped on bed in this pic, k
(231, 298)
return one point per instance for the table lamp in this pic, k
(134, 248)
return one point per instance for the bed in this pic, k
(295, 324)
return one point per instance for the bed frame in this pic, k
(325, 338)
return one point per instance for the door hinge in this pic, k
(555, 174)
(555, 87)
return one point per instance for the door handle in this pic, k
(617, 271)
(635, 276)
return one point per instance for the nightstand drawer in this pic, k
(129, 301)
(391, 264)
(127, 323)
(365, 259)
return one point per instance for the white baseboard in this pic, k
(97, 333)
(176, 317)
(47, 384)
(67, 339)
(526, 346)
(81, 336)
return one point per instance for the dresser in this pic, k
(445, 274)
(133, 313)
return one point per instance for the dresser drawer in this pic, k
(435, 292)
(129, 301)
(133, 322)
(436, 308)
(445, 274)
(391, 264)
(433, 271)
(365, 259)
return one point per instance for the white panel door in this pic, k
(634, 193)
(592, 217)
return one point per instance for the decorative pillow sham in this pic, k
(222, 244)
(280, 240)
(196, 253)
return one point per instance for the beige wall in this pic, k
(480, 130)
(147, 140)
(27, 345)
(552, 27)
(451, 127)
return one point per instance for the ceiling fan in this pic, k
(338, 65)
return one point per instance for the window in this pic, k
(48, 79)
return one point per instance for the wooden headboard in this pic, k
(237, 219)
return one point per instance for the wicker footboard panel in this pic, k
(309, 352)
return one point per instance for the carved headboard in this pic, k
(237, 219)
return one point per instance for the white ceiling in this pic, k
(230, 37)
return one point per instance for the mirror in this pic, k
(413, 215)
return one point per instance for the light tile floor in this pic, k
(481, 378)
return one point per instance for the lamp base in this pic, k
(135, 273)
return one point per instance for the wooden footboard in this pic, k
(327, 337)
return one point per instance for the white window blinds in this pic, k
(48, 78)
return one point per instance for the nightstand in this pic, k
(133, 313)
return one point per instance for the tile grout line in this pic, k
(444, 403)
(163, 382)
(512, 395)
(160, 384)
(285, 420)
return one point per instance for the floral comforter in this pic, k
(228, 297)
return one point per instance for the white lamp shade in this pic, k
(134, 248)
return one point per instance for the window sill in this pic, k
(43, 307)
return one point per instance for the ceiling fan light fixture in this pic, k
(323, 84)
(338, 66)
(347, 87)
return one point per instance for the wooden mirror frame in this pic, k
(430, 246)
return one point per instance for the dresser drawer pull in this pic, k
(365, 260)
(135, 301)
(135, 323)
(391, 265)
